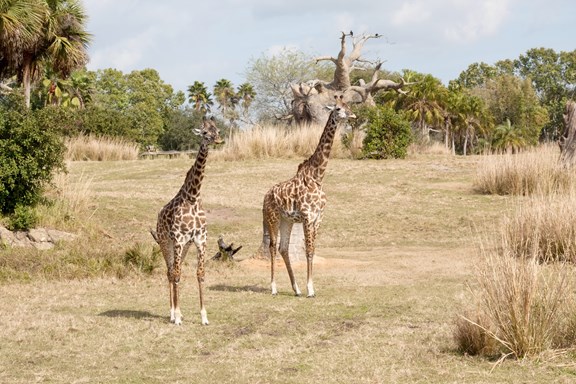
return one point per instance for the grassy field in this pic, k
(395, 255)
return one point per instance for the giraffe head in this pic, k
(209, 131)
(341, 111)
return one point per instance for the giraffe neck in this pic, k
(317, 163)
(191, 188)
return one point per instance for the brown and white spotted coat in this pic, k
(182, 222)
(301, 200)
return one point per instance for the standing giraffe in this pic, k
(182, 221)
(301, 200)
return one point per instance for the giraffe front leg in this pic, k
(201, 245)
(175, 314)
(310, 239)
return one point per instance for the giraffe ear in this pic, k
(196, 131)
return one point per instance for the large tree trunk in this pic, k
(311, 97)
(567, 141)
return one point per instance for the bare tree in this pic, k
(309, 98)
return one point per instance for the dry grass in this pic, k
(274, 142)
(394, 255)
(523, 308)
(536, 171)
(100, 148)
(543, 227)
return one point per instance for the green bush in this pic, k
(30, 152)
(22, 219)
(388, 133)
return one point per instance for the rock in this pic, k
(38, 235)
(56, 235)
(39, 238)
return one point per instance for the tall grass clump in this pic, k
(524, 303)
(523, 308)
(261, 142)
(100, 148)
(543, 228)
(526, 173)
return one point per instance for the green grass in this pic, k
(396, 251)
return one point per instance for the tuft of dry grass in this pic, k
(100, 148)
(262, 142)
(543, 228)
(523, 308)
(68, 200)
(536, 171)
(432, 148)
(523, 303)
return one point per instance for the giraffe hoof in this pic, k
(312, 296)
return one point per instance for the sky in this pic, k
(208, 40)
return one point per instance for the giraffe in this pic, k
(182, 222)
(301, 200)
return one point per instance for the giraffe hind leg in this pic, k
(285, 232)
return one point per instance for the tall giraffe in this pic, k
(301, 200)
(182, 222)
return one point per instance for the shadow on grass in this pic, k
(245, 288)
(130, 314)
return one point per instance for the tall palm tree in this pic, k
(60, 43)
(246, 94)
(468, 117)
(200, 98)
(227, 98)
(20, 21)
(425, 103)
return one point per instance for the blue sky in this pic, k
(187, 41)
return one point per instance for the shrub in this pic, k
(29, 154)
(388, 134)
(22, 219)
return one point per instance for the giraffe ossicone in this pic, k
(301, 200)
(182, 222)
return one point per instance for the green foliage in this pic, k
(179, 134)
(30, 151)
(136, 106)
(388, 133)
(22, 219)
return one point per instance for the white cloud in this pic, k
(476, 19)
(454, 20)
(411, 13)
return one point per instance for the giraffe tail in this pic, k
(153, 233)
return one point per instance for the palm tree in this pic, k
(508, 138)
(425, 103)
(246, 94)
(199, 97)
(20, 21)
(59, 42)
(468, 117)
(225, 96)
